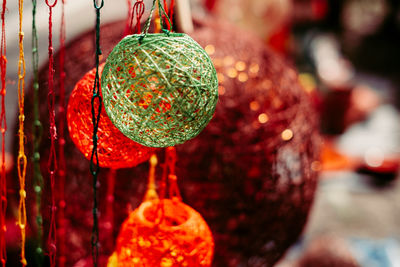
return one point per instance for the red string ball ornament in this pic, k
(114, 149)
(165, 233)
(159, 89)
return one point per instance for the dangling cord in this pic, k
(137, 11)
(148, 21)
(172, 179)
(94, 159)
(3, 125)
(165, 17)
(61, 144)
(171, 183)
(21, 160)
(52, 162)
(37, 135)
(170, 13)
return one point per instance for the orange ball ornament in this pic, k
(180, 237)
(115, 150)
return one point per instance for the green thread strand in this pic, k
(37, 134)
(94, 160)
(148, 21)
(161, 90)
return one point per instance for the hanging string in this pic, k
(36, 136)
(170, 13)
(3, 126)
(137, 12)
(52, 162)
(21, 160)
(168, 170)
(61, 145)
(170, 154)
(168, 180)
(148, 21)
(94, 160)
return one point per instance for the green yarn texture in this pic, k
(159, 90)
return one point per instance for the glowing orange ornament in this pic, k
(179, 237)
(114, 149)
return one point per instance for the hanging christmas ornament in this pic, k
(159, 89)
(181, 239)
(114, 149)
(164, 232)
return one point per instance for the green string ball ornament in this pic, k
(159, 90)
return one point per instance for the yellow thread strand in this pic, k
(21, 161)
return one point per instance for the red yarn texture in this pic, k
(182, 238)
(115, 150)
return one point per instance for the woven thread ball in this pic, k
(114, 149)
(160, 91)
(182, 238)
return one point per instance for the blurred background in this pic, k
(347, 55)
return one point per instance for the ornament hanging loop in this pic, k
(147, 24)
(96, 6)
(174, 192)
(138, 10)
(51, 5)
(22, 162)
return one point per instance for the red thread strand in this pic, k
(52, 162)
(61, 145)
(3, 125)
(170, 12)
(137, 11)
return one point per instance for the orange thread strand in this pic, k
(21, 160)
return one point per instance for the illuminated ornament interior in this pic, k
(114, 149)
(163, 232)
(160, 90)
(181, 239)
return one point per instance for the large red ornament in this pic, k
(114, 149)
(180, 237)
(251, 173)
